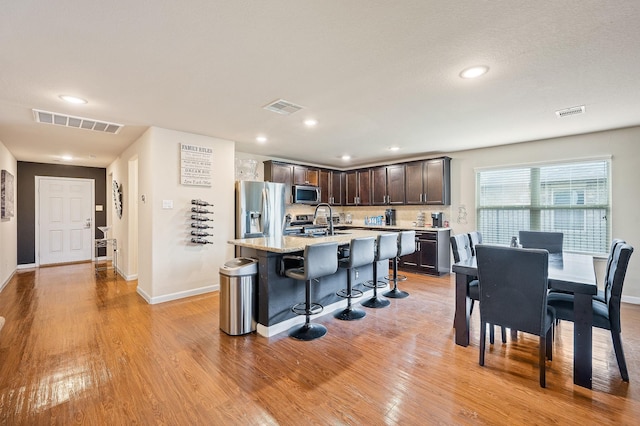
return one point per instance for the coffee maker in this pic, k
(390, 217)
(436, 218)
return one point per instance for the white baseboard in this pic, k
(178, 295)
(631, 299)
(4, 284)
(27, 266)
(128, 277)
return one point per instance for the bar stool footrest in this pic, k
(380, 284)
(398, 278)
(354, 294)
(301, 309)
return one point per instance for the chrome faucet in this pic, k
(330, 220)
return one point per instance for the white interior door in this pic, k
(65, 220)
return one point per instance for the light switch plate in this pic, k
(167, 204)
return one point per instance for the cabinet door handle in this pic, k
(420, 197)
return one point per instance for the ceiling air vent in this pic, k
(282, 107)
(570, 111)
(75, 122)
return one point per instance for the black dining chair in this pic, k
(461, 248)
(606, 313)
(614, 243)
(550, 241)
(600, 295)
(475, 238)
(513, 293)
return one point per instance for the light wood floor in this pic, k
(76, 350)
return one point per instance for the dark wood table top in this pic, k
(567, 271)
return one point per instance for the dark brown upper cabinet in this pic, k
(331, 185)
(387, 185)
(414, 183)
(303, 175)
(428, 182)
(357, 187)
(281, 173)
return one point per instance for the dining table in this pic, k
(569, 272)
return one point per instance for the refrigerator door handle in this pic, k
(265, 212)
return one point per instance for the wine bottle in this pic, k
(199, 202)
(200, 225)
(200, 210)
(200, 241)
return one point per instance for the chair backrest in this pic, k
(613, 290)
(362, 251)
(550, 241)
(475, 238)
(320, 260)
(513, 287)
(612, 249)
(387, 246)
(406, 243)
(461, 247)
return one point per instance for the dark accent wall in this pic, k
(26, 200)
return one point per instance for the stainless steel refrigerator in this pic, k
(260, 209)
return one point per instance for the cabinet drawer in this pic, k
(433, 236)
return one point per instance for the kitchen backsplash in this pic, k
(405, 215)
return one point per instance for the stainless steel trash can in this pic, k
(238, 293)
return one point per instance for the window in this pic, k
(572, 198)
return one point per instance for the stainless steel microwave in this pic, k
(306, 194)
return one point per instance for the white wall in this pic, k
(8, 227)
(622, 145)
(169, 267)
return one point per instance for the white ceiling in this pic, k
(373, 73)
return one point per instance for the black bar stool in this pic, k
(361, 253)
(319, 260)
(387, 247)
(406, 245)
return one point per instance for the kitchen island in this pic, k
(276, 294)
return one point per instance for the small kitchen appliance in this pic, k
(436, 218)
(390, 217)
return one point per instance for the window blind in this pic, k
(572, 198)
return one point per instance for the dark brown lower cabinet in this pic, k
(432, 254)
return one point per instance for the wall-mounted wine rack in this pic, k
(200, 225)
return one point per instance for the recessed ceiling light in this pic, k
(67, 157)
(394, 148)
(261, 139)
(310, 122)
(474, 72)
(73, 99)
(346, 157)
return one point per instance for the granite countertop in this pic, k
(289, 244)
